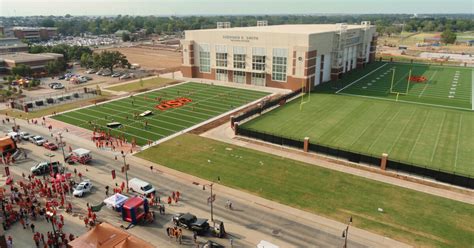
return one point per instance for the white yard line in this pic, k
(457, 144)
(419, 135)
(392, 100)
(381, 132)
(437, 139)
(400, 134)
(361, 78)
(427, 83)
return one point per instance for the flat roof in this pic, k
(26, 57)
(289, 29)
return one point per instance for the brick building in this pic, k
(282, 56)
(35, 33)
(37, 62)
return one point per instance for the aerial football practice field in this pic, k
(153, 115)
(417, 114)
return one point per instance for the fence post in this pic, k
(232, 121)
(383, 161)
(236, 128)
(306, 144)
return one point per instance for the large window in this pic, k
(221, 59)
(204, 61)
(239, 77)
(258, 63)
(221, 75)
(239, 61)
(258, 79)
(279, 69)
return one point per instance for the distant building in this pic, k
(282, 56)
(120, 33)
(2, 31)
(12, 45)
(35, 33)
(37, 62)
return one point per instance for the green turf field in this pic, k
(208, 101)
(413, 217)
(439, 138)
(444, 85)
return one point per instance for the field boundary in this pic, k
(343, 88)
(359, 158)
(409, 102)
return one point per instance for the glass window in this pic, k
(221, 59)
(279, 69)
(204, 62)
(239, 61)
(239, 77)
(258, 63)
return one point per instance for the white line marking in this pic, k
(427, 83)
(457, 144)
(437, 139)
(361, 78)
(392, 100)
(419, 135)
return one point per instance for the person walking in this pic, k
(32, 226)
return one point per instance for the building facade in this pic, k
(37, 62)
(35, 33)
(12, 45)
(282, 56)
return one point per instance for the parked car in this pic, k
(140, 186)
(13, 135)
(62, 77)
(25, 135)
(117, 74)
(82, 188)
(50, 146)
(91, 71)
(126, 76)
(189, 221)
(37, 140)
(45, 167)
(58, 86)
(51, 85)
(99, 72)
(106, 73)
(88, 78)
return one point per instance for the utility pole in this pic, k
(345, 233)
(125, 168)
(212, 204)
(62, 146)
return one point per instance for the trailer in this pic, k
(80, 155)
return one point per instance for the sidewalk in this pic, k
(249, 235)
(225, 133)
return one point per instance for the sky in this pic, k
(229, 7)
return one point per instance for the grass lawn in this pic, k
(203, 102)
(47, 111)
(427, 136)
(409, 216)
(148, 84)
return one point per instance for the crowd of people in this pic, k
(30, 200)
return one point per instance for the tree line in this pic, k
(386, 23)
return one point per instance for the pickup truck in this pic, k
(189, 221)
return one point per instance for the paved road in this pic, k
(247, 224)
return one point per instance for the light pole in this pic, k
(62, 146)
(345, 233)
(125, 168)
(211, 199)
(53, 216)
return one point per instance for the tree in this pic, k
(47, 23)
(54, 67)
(448, 36)
(110, 59)
(125, 36)
(87, 60)
(22, 70)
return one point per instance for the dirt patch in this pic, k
(154, 59)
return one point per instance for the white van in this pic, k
(140, 186)
(13, 135)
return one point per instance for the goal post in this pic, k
(303, 93)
